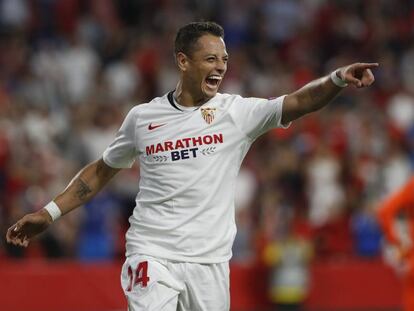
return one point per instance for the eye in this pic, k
(211, 59)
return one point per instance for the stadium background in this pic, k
(71, 69)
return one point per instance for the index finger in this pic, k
(367, 65)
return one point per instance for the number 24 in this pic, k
(141, 275)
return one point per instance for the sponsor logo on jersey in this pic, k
(182, 143)
(154, 126)
(208, 114)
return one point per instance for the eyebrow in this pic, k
(215, 55)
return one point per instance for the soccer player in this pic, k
(401, 203)
(190, 144)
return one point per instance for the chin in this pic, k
(207, 97)
(207, 93)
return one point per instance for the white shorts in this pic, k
(152, 284)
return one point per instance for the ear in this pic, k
(182, 61)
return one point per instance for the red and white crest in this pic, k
(208, 114)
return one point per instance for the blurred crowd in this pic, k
(71, 69)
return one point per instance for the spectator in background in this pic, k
(366, 231)
(288, 257)
(398, 206)
(97, 234)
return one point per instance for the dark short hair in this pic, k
(188, 35)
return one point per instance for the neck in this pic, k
(187, 97)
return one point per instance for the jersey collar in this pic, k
(171, 100)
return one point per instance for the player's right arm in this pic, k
(84, 186)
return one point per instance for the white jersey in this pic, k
(189, 159)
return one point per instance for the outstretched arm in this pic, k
(84, 186)
(318, 93)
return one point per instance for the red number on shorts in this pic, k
(141, 275)
(130, 279)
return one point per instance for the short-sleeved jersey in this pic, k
(189, 160)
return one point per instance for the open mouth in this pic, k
(213, 81)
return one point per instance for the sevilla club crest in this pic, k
(208, 114)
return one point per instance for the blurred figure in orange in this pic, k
(401, 204)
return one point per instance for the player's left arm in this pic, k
(318, 93)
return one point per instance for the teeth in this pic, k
(214, 77)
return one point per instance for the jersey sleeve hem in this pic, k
(279, 101)
(114, 165)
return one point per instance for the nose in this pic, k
(221, 66)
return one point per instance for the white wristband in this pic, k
(53, 210)
(337, 80)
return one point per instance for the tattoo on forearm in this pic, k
(82, 189)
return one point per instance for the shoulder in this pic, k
(226, 96)
(226, 100)
(153, 105)
(236, 101)
(232, 98)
